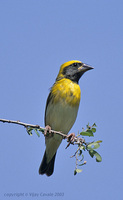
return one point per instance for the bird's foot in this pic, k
(70, 139)
(47, 130)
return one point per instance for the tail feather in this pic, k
(47, 168)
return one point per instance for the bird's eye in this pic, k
(74, 64)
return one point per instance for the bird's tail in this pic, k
(47, 168)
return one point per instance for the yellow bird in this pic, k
(61, 109)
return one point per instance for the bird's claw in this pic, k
(47, 129)
(70, 139)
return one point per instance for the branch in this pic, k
(80, 141)
(30, 125)
(41, 129)
(19, 123)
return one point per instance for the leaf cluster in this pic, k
(37, 130)
(90, 147)
(87, 146)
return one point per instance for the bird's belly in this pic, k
(61, 116)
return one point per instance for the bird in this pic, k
(61, 109)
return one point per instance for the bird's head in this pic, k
(73, 70)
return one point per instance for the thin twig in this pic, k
(31, 125)
(19, 123)
(76, 139)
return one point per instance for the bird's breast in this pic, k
(63, 106)
(67, 92)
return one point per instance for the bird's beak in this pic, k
(85, 68)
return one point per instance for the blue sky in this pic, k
(36, 37)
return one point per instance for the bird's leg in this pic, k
(71, 137)
(47, 129)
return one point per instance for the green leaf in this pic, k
(29, 130)
(80, 152)
(83, 163)
(75, 172)
(82, 147)
(37, 132)
(78, 170)
(93, 145)
(94, 125)
(99, 141)
(93, 130)
(97, 155)
(91, 152)
(87, 133)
